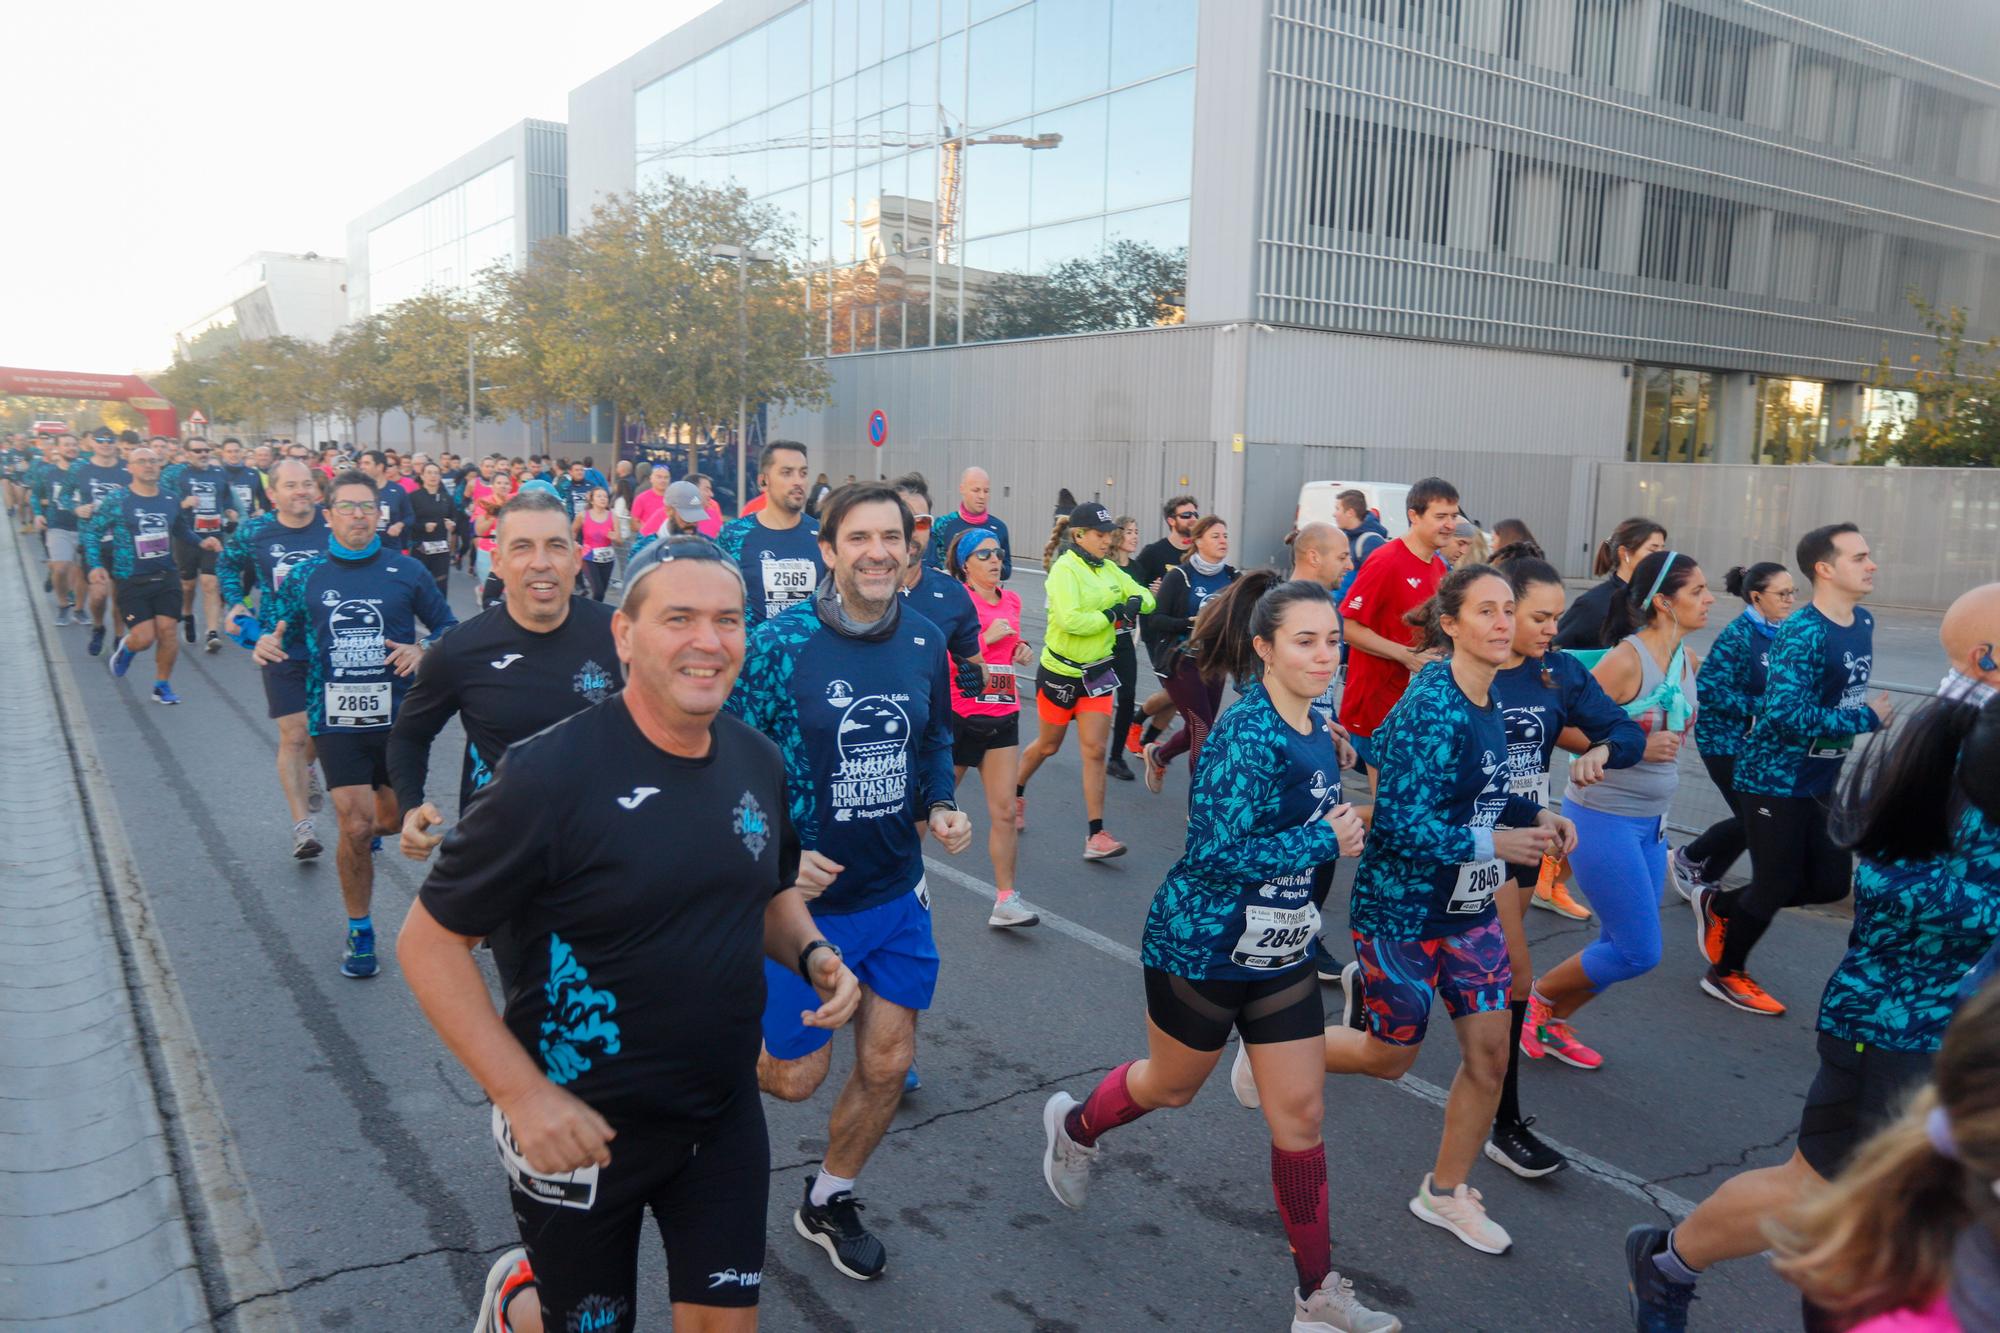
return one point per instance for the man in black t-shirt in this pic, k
(1181, 513)
(624, 1072)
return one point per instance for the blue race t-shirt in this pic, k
(1535, 713)
(133, 535)
(259, 556)
(346, 611)
(1730, 685)
(1815, 704)
(943, 600)
(781, 567)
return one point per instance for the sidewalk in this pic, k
(93, 1234)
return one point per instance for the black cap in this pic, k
(103, 436)
(1091, 516)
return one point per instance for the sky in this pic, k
(151, 148)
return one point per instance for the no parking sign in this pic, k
(878, 428)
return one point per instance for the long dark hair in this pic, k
(1634, 611)
(1900, 801)
(1428, 619)
(1747, 581)
(1630, 535)
(1250, 608)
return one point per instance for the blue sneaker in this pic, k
(360, 960)
(163, 693)
(1659, 1304)
(910, 1080)
(96, 640)
(121, 658)
(375, 844)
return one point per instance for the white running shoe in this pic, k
(1333, 1308)
(1686, 875)
(1241, 1081)
(1463, 1214)
(501, 1283)
(1008, 911)
(1065, 1162)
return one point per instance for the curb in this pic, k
(239, 1270)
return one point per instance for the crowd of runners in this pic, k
(815, 683)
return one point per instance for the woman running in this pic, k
(989, 723)
(1730, 684)
(1125, 659)
(1228, 944)
(1088, 596)
(597, 537)
(1620, 863)
(1923, 812)
(1629, 543)
(485, 522)
(1546, 698)
(1422, 912)
(435, 518)
(1184, 589)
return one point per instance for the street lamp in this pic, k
(471, 384)
(742, 256)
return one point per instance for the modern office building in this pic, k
(1129, 247)
(271, 295)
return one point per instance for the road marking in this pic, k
(1634, 1187)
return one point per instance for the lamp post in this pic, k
(742, 256)
(471, 383)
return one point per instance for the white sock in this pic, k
(826, 1185)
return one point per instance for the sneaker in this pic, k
(1556, 898)
(1687, 876)
(1736, 988)
(1709, 928)
(911, 1081)
(375, 844)
(360, 959)
(1101, 846)
(1156, 772)
(504, 1281)
(835, 1227)
(163, 693)
(1333, 1308)
(1463, 1214)
(315, 790)
(187, 628)
(1353, 997)
(1020, 813)
(1326, 965)
(1522, 1151)
(1116, 767)
(1065, 1162)
(121, 658)
(1658, 1303)
(1241, 1081)
(96, 640)
(1008, 911)
(1135, 742)
(1555, 1037)
(305, 841)
(212, 642)
(62, 615)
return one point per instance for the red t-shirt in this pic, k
(1392, 583)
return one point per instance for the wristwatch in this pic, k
(936, 806)
(805, 955)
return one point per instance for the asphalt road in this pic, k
(369, 1154)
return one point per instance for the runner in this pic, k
(1629, 543)
(202, 488)
(354, 607)
(1181, 513)
(1814, 706)
(93, 479)
(247, 490)
(487, 501)
(1422, 911)
(1320, 555)
(1398, 577)
(393, 523)
(597, 536)
(1184, 589)
(1126, 738)
(1731, 685)
(1543, 694)
(1620, 862)
(53, 499)
(778, 547)
(940, 598)
(988, 733)
(975, 489)
(1228, 944)
(1088, 596)
(854, 687)
(129, 539)
(536, 655)
(1924, 813)
(259, 556)
(649, 506)
(623, 1073)
(434, 517)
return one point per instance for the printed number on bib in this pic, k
(1003, 685)
(1274, 937)
(358, 705)
(433, 548)
(1477, 882)
(786, 582)
(1534, 786)
(208, 522)
(150, 545)
(561, 1189)
(601, 554)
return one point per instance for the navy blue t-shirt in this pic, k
(943, 600)
(781, 567)
(1535, 713)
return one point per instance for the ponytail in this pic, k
(1058, 539)
(1627, 536)
(1220, 639)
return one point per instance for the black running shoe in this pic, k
(1658, 1304)
(1116, 767)
(836, 1228)
(1353, 998)
(187, 628)
(96, 640)
(1521, 1151)
(1326, 965)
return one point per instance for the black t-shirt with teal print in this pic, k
(1535, 711)
(133, 535)
(1815, 704)
(780, 568)
(54, 495)
(634, 977)
(96, 481)
(865, 728)
(504, 683)
(1443, 766)
(1238, 903)
(260, 555)
(346, 610)
(208, 487)
(246, 491)
(1730, 685)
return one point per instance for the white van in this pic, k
(1388, 499)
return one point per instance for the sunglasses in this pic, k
(353, 508)
(985, 553)
(1188, 513)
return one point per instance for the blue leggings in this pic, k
(1620, 862)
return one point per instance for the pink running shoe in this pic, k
(1557, 1038)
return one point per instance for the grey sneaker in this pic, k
(315, 789)
(1688, 881)
(1009, 911)
(1333, 1308)
(1065, 1162)
(305, 842)
(1463, 1214)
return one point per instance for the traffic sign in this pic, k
(878, 428)
(195, 418)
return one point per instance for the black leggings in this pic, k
(1199, 1014)
(1125, 661)
(1198, 701)
(1794, 862)
(597, 573)
(1716, 850)
(439, 567)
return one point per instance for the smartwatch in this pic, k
(812, 947)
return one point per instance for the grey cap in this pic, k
(684, 498)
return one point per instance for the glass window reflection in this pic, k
(1151, 142)
(1002, 69)
(1072, 50)
(1150, 37)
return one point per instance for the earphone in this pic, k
(1986, 662)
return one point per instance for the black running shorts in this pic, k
(285, 688)
(1199, 1014)
(149, 597)
(977, 733)
(1855, 1093)
(192, 559)
(353, 757)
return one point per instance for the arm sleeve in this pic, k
(235, 568)
(788, 843)
(496, 858)
(1718, 684)
(1791, 699)
(431, 703)
(1519, 812)
(288, 604)
(96, 526)
(1590, 710)
(1223, 808)
(1411, 805)
(183, 527)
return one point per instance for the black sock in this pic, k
(1020, 790)
(1723, 904)
(1510, 1091)
(1151, 734)
(1738, 940)
(1096, 827)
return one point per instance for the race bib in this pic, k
(207, 522)
(433, 548)
(600, 554)
(1100, 678)
(151, 545)
(358, 705)
(786, 582)
(1534, 786)
(1477, 882)
(1003, 685)
(923, 892)
(564, 1189)
(1275, 937)
(242, 494)
(382, 519)
(1830, 747)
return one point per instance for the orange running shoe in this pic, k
(1134, 741)
(1552, 895)
(509, 1274)
(1736, 989)
(1708, 927)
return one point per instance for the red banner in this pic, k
(160, 416)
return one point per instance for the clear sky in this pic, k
(150, 148)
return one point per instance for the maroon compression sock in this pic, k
(1108, 1106)
(1298, 1179)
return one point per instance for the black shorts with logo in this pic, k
(149, 597)
(353, 756)
(1282, 1007)
(977, 733)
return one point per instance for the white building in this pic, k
(272, 295)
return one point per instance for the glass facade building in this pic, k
(446, 240)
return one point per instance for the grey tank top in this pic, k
(1645, 790)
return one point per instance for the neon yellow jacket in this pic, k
(1079, 593)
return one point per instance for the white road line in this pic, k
(1633, 1187)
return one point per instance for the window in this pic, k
(1705, 62)
(1548, 212)
(1810, 259)
(1429, 18)
(1685, 237)
(1911, 265)
(1791, 420)
(1931, 130)
(1826, 97)
(1378, 179)
(1593, 51)
(1673, 416)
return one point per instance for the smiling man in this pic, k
(528, 661)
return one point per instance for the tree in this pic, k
(1955, 421)
(426, 339)
(1129, 284)
(524, 313)
(359, 377)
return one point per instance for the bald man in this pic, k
(1970, 636)
(975, 488)
(1320, 555)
